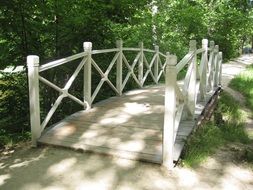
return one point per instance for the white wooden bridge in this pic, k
(150, 123)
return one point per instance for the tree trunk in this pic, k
(23, 31)
(252, 42)
(56, 30)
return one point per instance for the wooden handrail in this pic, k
(180, 103)
(200, 80)
(62, 61)
(93, 52)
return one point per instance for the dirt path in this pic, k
(50, 168)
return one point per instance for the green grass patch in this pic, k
(244, 84)
(8, 139)
(225, 126)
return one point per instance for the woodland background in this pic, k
(54, 29)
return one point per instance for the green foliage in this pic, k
(14, 113)
(227, 22)
(226, 126)
(244, 84)
(54, 29)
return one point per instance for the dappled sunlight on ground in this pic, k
(56, 168)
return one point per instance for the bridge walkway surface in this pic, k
(129, 126)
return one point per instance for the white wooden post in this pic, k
(119, 45)
(170, 110)
(87, 46)
(203, 69)
(211, 66)
(33, 79)
(216, 66)
(156, 64)
(220, 68)
(192, 95)
(140, 65)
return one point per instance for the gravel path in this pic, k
(50, 168)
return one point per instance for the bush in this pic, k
(14, 107)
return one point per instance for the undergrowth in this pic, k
(243, 83)
(226, 125)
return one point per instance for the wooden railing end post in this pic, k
(34, 100)
(170, 111)
(220, 68)
(119, 44)
(87, 46)
(204, 70)
(140, 65)
(156, 65)
(204, 43)
(216, 66)
(212, 43)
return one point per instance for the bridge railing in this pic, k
(140, 68)
(203, 77)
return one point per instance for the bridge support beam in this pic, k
(170, 111)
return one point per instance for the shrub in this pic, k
(14, 107)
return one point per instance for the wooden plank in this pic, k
(154, 158)
(129, 127)
(178, 148)
(125, 144)
(115, 132)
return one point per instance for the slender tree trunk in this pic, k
(23, 31)
(252, 42)
(242, 44)
(56, 30)
(154, 8)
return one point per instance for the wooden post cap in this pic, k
(204, 43)
(171, 59)
(193, 45)
(212, 44)
(119, 43)
(33, 60)
(87, 46)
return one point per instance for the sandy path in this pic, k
(50, 168)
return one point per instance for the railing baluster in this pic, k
(87, 46)
(220, 67)
(210, 66)
(191, 88)
(156, 64)
(119, 45)
(170, 110)
(203, 70)
(33, 79)
(140, 65)
(216, 69)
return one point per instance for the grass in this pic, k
(243, 83)
(8, 140)
(227, 125)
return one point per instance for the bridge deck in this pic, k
(129, 126)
